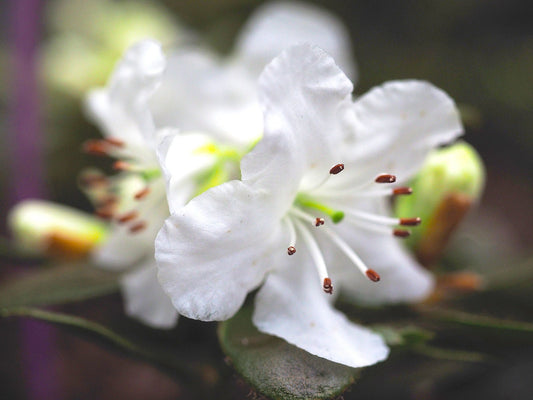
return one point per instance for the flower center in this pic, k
(138, 190)
(301, 222)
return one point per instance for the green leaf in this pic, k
(56, 285)
(277, 369)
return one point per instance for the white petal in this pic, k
(292, 305)
(395, 125)
(217, 249)
(301, 92)
(122, 249)
(276, 26)
(199, 92)
(120, 109)
(402, 278)
(144, 298)
(180, 160)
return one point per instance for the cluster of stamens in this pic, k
(102, 189)
(296, 218)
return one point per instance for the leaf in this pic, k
(55, 285)
(277, 369)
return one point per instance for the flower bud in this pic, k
(42, 227)
(450, 181)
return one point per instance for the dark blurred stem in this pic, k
(27, 172)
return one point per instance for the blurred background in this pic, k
(479, 52)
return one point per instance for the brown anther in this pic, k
(104, 212)
(91, 180)
(327, 286)
(336, 169)
(410, 221)
(115, 142)
(141, 194)
(373, 275)
(401, 233)
(385, 178)
(319, 221)
(108, 201)
(95, 147)
(139, 226)
(121, 165)
(402, 190)
(291, 250)
(128, 217)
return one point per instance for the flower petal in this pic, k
(402, 278)
(301, 92)
(122, 248)
(394, 126)
(217, 249)
(201, 93)
(181, 159)
(276, 26)
(120, 109)
(145, 300)
(292, 305)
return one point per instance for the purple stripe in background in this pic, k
(27, 171)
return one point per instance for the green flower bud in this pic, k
(42, 227)
(450, 181)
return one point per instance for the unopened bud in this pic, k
(42, 227)
(450, 181)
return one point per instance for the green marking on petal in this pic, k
(335, 215)
(151, 174)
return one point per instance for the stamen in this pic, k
(95, 147)
(410, 221)
(373, 275)
(316, 254)
(336, 169)
(319, 221)
(401, 233)
(121, 166)
(292, 237)
(346, 249)
(327, 286)
(104, 212)
(142, 193)
(139, 226)
(377, 219)
(115, 142)
(385, 178)
(91, 180)
(128, 217)
(333, 171)
(108, 201)
(402, 190)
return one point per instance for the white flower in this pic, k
(194, 91)
(202, 91)
(134, 199)
(294, 196)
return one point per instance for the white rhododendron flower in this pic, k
(310, 215)
(203, 91)
(193, 91)
(134, 199)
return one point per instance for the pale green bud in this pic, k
(450, 181)
(41, 227)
